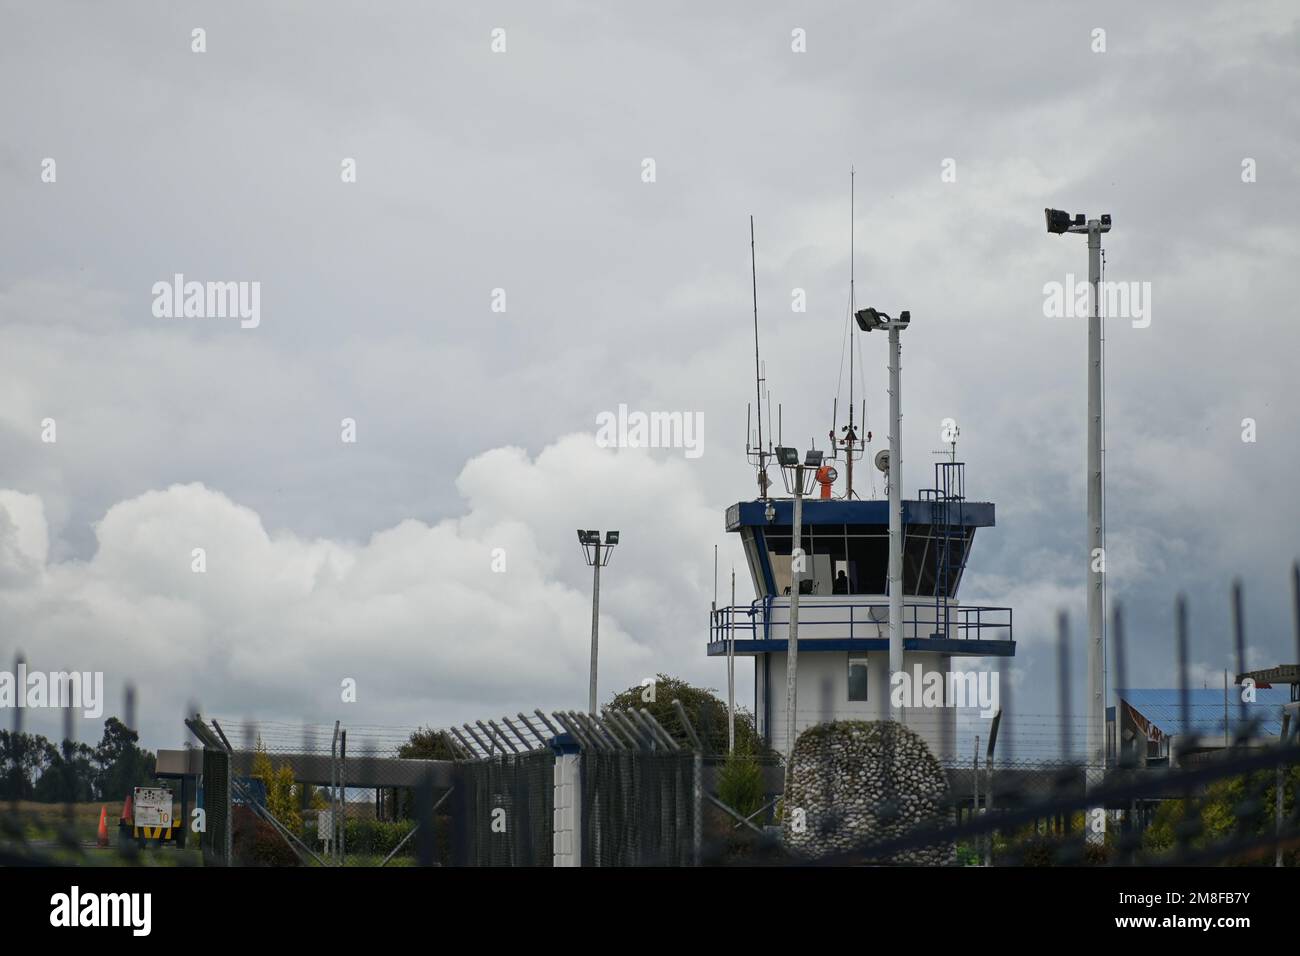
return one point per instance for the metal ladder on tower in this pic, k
(948, 533)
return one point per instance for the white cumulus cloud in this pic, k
(416, 615)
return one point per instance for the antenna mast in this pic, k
(757, 455)
(854, 447)
(848, 464)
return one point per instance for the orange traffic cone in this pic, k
(103, 826)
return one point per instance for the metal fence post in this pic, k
(975, 803)
(343, 797)
(1277, 801)
(697, 821)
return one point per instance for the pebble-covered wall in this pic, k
(858, 781)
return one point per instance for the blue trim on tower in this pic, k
(966, 647)
(974, 514)
(765, 558)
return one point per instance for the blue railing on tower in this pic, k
(764, 620)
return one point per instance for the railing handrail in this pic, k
(761, 612)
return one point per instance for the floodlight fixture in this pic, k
(787, 457)
(611, 538)
(1058, 221)
(870, 320)
(813, 459)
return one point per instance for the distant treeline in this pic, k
(35, 768)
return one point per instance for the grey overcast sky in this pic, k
(522, 170)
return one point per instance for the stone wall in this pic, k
(859, 781)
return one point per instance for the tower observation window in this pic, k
(840, 560)
(854, 559)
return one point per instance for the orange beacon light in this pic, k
(826, 476)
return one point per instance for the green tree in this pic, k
(23, 758)
(706, 711)
(282, 799)
(262, 769)
(427, 744)
(121, 764)
(69, 775)
(282, 793)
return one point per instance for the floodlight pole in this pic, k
(1058, 223)
(595, 626)
(1096, 556)
(895, 512)
(792, 650)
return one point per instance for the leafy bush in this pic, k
(967, 855)
(379, 837)
(254, 842)
(1245, 803)
(740, 783)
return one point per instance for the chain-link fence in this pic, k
(502, 810)
(495, 792)
(638, 808)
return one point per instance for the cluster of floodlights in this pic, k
(789, 458)
(593, 549)
(871, 319)
(796, 475)
(1058, 222)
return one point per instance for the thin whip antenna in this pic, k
(848, 469)
(852, 297)
(758, 377)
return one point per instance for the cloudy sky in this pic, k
(523, 170)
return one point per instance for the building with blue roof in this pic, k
(1150, 719)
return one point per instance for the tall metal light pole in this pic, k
(1059, 222)
(869, 319)
(794, 472)
(597, 556)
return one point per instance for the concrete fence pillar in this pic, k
(567, 829)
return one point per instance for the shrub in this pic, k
(740, 783)
(379, 837)
(254, 842)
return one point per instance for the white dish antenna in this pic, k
(882, 460)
